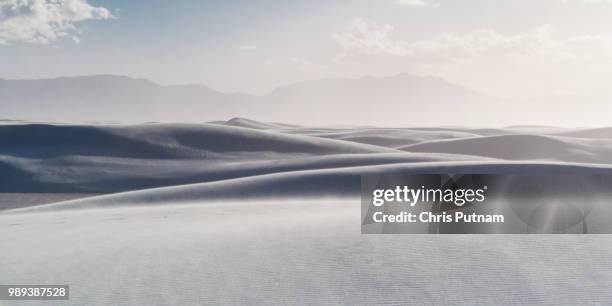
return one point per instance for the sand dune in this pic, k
(113, 158)
(393, 138)
(605, 133)
(288, 253)
(523, 147)
(103, 174)
(245, 212)
(252, 124)
(159, 141)
(307, 184)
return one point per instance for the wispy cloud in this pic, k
(589, 1)
(305, 65)
(421, 3)
(45, 21)
(368, 37)
(247, 47)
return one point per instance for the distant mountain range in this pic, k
(108, 97)
(403, 99)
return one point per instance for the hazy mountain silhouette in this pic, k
(403, 99)
(109, 97)
(106, 97)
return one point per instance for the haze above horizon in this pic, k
(505, 49)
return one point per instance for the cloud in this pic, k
(589, 1)
(370, 38)
(421, 3)
(305, 65)
(540, 44)
(45, 21)
(247, 47)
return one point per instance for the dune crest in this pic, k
(246, 158)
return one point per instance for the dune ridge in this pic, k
(307, 184)
(248, 158)
(247, 212)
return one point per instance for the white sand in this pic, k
(274, 218)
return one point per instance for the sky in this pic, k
(520, 48)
